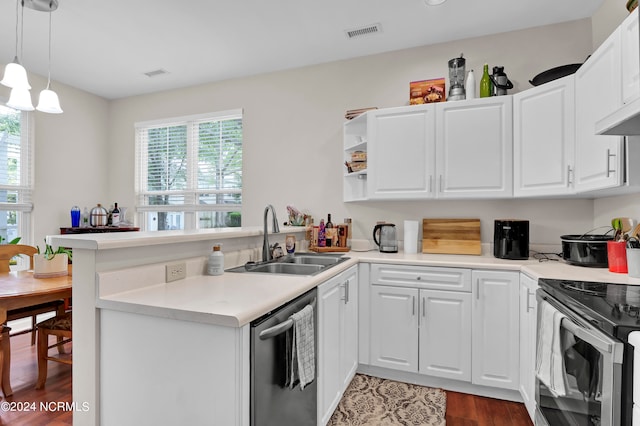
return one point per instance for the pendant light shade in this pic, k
(15, 76)
(49, 102)
(20, 98)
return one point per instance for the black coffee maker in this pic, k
(511, 239)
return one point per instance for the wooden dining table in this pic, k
(19, 289)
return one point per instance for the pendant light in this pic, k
(48, 100)
(15, 76)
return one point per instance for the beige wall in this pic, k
(293, 128)
(70, 153)
(606, 19)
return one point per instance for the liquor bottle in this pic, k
(322, 241)
(485, 83)
(470, 85)
(115, 216)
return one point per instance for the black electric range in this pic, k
(613, 308)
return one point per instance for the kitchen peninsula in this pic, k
(181, 349)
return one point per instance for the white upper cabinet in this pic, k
(544, 139)
(474, 146)
(630, 40)
(599, 159)
(401, 152)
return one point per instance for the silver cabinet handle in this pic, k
(424, 307)
(441, 183)
(609, 155)
(478, 289)
(569, 171)
(413, 305)
(346, 292)
(430, 183)
(529, 294)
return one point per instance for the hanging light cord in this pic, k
(21, 32)
(49, 67)
(17, 4)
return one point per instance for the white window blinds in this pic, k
(16, 174)
(190, 166)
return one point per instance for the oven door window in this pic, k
(591, 395)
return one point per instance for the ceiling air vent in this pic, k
(364, 31)
(156, 73)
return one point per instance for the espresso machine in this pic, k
(456, 79)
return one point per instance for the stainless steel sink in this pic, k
(297, 264)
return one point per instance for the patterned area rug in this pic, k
(372, 401)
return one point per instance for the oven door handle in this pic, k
(587, 335)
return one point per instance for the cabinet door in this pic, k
(599, 159)
(445, 334)
(544, 139)
(394, 328)
(528, 316)
(495, 329)
(474, 146)
(630, 58)
(349, 327)
(401, 150)
(329, 383)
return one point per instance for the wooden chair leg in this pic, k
(43, 346)
(33, 330)
(61, 311)
(5, 362)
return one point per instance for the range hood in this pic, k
(624, 122)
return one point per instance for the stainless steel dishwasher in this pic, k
(273, 403)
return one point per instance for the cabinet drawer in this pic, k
(436, 278)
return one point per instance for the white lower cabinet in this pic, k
(495, 329)
(528, 317)
(417, 329)
(337, 353)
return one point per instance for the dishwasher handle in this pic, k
(280, 328)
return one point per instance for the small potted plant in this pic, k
(51, 263)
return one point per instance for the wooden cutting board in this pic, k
(451, 236)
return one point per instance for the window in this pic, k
(16, 175)
(189, 172)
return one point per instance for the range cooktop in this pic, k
(613, 308)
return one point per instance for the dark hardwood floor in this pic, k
(26, 400)
(462, 409)
(470, 410)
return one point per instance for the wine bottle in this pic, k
(329, 224)
(115, 216)
(485, 83)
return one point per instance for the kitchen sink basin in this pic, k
(297, 264)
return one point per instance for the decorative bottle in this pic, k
(115, 216)
(485, 83)
(322, 240)
(470, 85)
(215, 264)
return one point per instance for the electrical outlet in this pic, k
(176, 271)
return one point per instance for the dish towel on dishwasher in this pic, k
(303, 355)
(550, 353)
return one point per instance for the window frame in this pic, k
(190, 207)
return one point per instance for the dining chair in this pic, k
(59, 326)
(8, 252)
(5, 359)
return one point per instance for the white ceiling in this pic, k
(105, 47)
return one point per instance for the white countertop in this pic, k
(235, 299)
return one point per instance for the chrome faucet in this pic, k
(266, 248)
